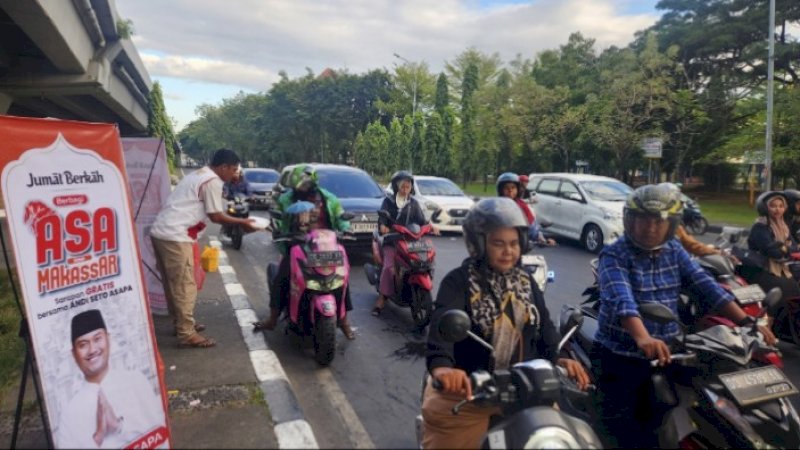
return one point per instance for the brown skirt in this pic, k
(442, 429)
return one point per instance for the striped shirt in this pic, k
(629, 276)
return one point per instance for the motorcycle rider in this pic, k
(237, 185)
(793, 212)
(644, 265)
(304, 186)
(770, 237)
(506, 308)
(689, 243)
(406, 210)
(508, 185)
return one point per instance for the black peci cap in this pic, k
(86, 322)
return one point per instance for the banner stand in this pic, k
(23, 334)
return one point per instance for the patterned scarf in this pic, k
(502, 306)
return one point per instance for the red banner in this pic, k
(70, 221)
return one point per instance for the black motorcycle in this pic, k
(238, 206)
(526, 394)
(715, 394)
(693, 219)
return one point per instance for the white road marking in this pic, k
(358, 434)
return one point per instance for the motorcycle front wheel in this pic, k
(236, 237)
(697, 226)
(421, 306)
(324, 339)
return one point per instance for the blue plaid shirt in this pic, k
(629, 277)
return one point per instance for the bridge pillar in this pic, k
(5, 102)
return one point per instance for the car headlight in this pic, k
(551, 437)
(609, 214)
(431, 205)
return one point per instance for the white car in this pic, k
(436, 192)
(580, 206)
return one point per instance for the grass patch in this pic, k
(12, 348)
(728, 208)
(476, 188)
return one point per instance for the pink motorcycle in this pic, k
(318, 281)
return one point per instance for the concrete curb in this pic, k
(291, 428)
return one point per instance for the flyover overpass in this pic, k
(65, 59)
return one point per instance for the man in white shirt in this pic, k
(197, 197)
(112, 408)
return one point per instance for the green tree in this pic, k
(442, 97)
(468, 155)
(433, 147)
(399, 146)
(160, 125)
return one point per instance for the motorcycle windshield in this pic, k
(723, 341)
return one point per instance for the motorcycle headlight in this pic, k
(313, 285)
(551, 437)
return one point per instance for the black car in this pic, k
(358, 193)
(261, 183)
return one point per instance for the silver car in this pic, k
(580, 206)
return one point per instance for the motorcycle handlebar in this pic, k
(677, 357)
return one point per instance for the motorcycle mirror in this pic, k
(435, 215)
(574, 318)
(773, 297)
(385, 214)
(657, 313)
(347, 216)
(454, 325)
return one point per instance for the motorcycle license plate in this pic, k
(753, 386)
(418, 246)
(749, 294)
(324, 259)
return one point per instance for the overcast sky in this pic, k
(203, 51)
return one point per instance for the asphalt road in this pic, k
(369, 395)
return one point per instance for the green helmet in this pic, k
(303, 178)
(657, 200)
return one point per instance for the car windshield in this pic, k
(258, 176)
(349, 184)
(612, 191)
(439, 187)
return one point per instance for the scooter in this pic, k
(693, 218)
(318, 281)
(414, 262)
(730, 401)
(526, 394)
(715, 393)
(238, 206)
(536, 264)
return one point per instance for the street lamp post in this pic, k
(414, 87)
(770, 75)
(413, 101)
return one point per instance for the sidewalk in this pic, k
(234, 395)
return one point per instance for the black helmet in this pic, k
(399, 176)
(508, 177)
(488, 215)
(763, 200)
(653, 200)
(792, 197)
